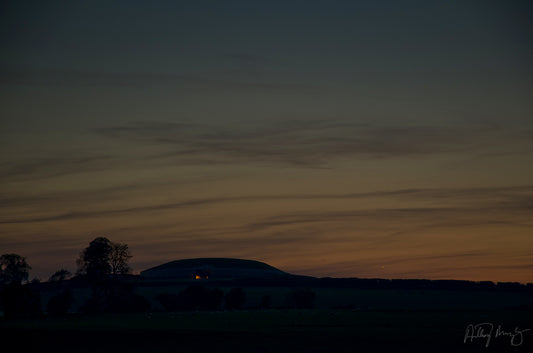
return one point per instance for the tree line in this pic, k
(101, 260)
(102, 270)
(99, 266)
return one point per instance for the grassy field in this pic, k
(343, 320)
(350, 298)
(269, 331)
(335, 298)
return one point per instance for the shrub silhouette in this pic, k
(116, 297)
(215, 298)
(235, 299)
(301, 299)
(195, 297)
(60, 304)
(20, 301)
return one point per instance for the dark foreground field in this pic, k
(270, 331)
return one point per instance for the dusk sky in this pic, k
(383, 139)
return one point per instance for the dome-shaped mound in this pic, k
(215, 268)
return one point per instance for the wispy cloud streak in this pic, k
(517, 198)
(42, 168)
(297, 143)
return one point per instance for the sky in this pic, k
(371, 139)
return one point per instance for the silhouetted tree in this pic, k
(94, 261)
(99, 262)
(103, 258)
(119, 258)
(235, 299)
(60, 276)
(60, 304)
(301, 299)
(13, 268)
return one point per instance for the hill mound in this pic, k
(218, 268)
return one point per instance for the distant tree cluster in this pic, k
(100, 265)
(235, 299)
(116, 297)
(195, 297)
(198, 297)
(301, 299)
